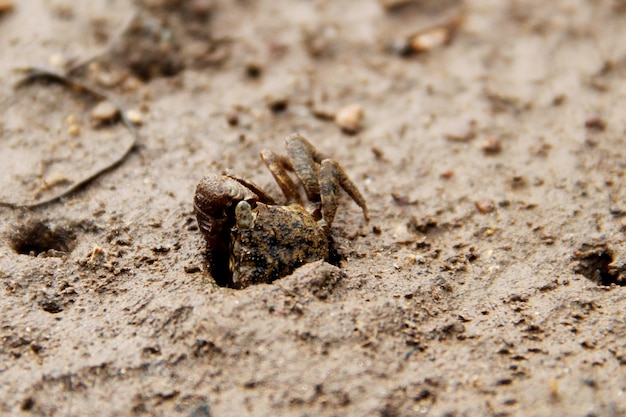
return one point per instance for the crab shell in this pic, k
(269, 242)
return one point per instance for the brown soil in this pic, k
(489, 282)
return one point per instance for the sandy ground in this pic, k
(489, 281)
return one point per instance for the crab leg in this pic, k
(278, 166)
(260, 193)
(331, 177)
(305, 160)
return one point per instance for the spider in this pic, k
(252, 239)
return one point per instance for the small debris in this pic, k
(73, 127)
(134, 116)
(429, 38)
(492, 145)
(320, 41)
(422, 225)
(462, 132)
(349, 118)
(73, 130)
(277, 104)
(447, 174)
(402, 200)
(160, 249)
(131, 84)
(192, 269)
(485, 205)
(379, 155)
(595, 123)
(57, 61)
(518, 181)
(97, 255)
(559, 99)
(554, 389)
(109, 79)
(104, 112)
(232, 118)
(322, 111)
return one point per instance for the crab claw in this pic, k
(214, 198)
(215, 193)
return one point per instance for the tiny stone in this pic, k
(232, 118)
(110, 79)
(71, 120)
(104, 111)
(134, 116)
(73, 130)
(486, 205)
(447, 174)
(349, 118)
(160, 249)
(595, 123)
(492, 145)
(430, 39)
(461, 132)
(57, 61)
(192, 269)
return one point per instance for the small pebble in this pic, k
(73, 127)
(595, 123)
(447, 174)
(103, 112)
(433, 37)
(461, 131)
(192, 269)
(492, 145)
(134, 116)
(73, 130)
(349, 118)
(57, 61)
(429, 39)
(232, 118)
(486, 205)
(110, 78)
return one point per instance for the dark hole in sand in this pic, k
(36, 237)
(596, 263)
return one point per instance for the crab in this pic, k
(252, 239)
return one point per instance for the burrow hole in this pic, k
(37, 237)
(596, 263)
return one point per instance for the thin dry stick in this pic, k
(35, 73)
